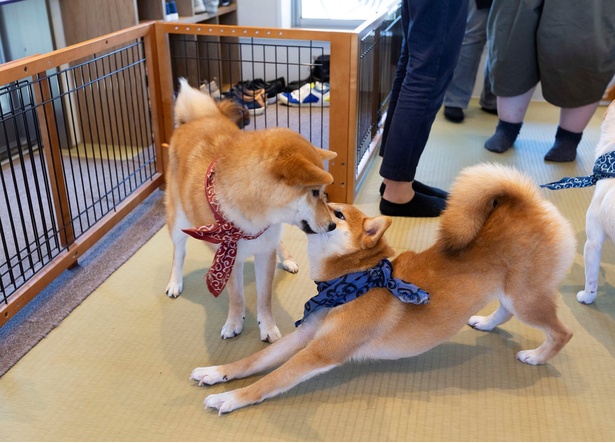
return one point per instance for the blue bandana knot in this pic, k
(603, 168)
(349, 287)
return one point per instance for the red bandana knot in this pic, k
(224, 233)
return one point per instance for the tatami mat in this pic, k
(117, 368)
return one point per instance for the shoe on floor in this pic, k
(310, 94)
(489, 111)
(453, 114)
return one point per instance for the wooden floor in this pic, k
(118, 367)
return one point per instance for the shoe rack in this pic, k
(155, 10)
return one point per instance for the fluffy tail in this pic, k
(192, 104)
(478, 191)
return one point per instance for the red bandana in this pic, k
(224, 233)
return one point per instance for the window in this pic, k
(335, 13)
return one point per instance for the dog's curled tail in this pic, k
(192, 104)
(476, 194)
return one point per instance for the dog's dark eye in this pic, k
(339, 215)
(316, 192)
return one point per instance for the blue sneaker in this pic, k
(315, 93)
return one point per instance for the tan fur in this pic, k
(263, 178)
(498, 239)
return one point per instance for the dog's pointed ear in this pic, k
(326, 154)
(299, 171)
(373, 229)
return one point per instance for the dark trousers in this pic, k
(434, 31)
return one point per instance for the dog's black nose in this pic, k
(331, 227)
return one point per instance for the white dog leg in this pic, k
(287, 260)
(175, 284)
(264, 270)
(236, 307)
(591, 256)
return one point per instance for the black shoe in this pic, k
(453, 114)
(490, 111)
(422, 188)
(420, 206)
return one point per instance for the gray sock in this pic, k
(565, 147)
(504, 137)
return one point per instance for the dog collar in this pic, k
(603, 168)
(349, 287)
(224, 233)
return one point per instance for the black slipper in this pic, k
(421, 205)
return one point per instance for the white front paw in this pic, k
(480, 322)
(174, 288)
(232, 328)
(270, 334)
(586, 297)
(209, 375)
(225, 402)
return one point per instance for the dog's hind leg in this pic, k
(541, 312)
(591, 255)
(264, 270)
(236, 303)
(487, 323)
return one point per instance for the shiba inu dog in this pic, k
(233, 189)
(600, 217)
(498, 239)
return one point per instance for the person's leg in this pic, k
(460, 89)
(488, 100)
(513, 67)
(434, 39)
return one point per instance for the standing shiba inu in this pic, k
(233, 189)
(498, 239)
(600, 218)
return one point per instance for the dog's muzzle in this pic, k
(305, 227)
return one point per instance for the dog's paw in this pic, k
(585, 297)
(480, 322)
(531, 357)
(225, 402)
(174, 289)
(209, 375)
(231, 329)
(271, 334)
(290, 266)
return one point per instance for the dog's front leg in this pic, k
(306, 364)
(236, 303)
(263, 360)
(264, 269)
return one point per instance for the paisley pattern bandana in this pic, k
(603, 168)
(224, 233)
(351, 286)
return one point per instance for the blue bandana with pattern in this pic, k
(351, 286)
(603, 168)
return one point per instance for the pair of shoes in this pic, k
(252, 100)
(490, 111)
(315, 93)
(272, 88)
(211, 88)
(453, 114)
